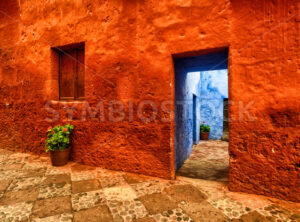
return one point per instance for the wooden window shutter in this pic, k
(71, 72)
(80, 74)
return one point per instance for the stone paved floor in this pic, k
(32, 190)
(209, 160)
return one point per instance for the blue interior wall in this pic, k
(193, 106)
(189, 86)
(214, 88)
(190, 80)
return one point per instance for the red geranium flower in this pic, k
(203, 121)
(65, 129)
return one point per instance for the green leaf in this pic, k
(57, 139)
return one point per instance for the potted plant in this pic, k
(204, 131)
(57, 142)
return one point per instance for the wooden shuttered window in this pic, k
(71, 74)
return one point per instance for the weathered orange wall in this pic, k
(265, 153)
(128, 52)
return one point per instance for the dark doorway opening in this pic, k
(195, 140)
(225, 136)
(201, 97)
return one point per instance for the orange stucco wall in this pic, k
(128, 57)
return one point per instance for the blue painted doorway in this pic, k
(201, 84)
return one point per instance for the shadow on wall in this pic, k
(202, 80)
(10, 27)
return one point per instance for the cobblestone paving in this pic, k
(32, 190)
(208, 161)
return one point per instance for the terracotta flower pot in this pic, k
(204, 136)
(60, 158)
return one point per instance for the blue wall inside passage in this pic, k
(201, 80)
(214, 88)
